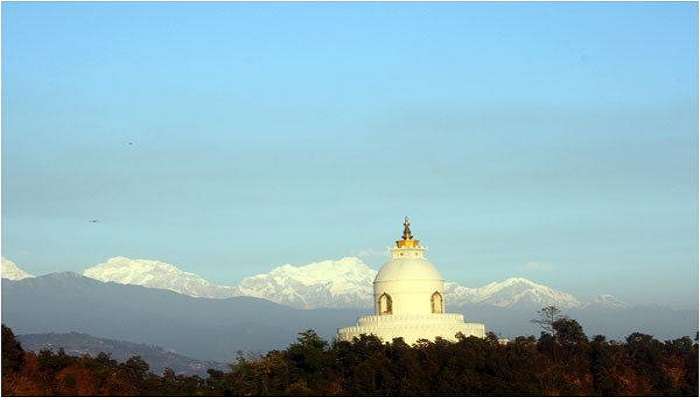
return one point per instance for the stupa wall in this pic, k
(409, 297)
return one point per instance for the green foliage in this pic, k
(568, 332)
(647, 354)
(308, 354)
(52, 363)
(12, 353)
(563, 362)
(683, 345)
(602, 360)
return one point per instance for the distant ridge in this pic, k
(202, 328)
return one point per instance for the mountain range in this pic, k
(215, 329)
(197, 327)
(343, 283)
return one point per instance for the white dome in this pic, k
(408, 269)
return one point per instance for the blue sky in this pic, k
(552, 141)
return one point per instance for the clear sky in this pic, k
(557, 142)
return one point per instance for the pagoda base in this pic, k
(413, 327)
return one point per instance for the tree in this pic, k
(491, 337)
(12, 353)
(308, 352)
(648, 356)
(683, 345)
(602, 368)
(547, 316)
(568, 332)
(525, 341)
(690, 379)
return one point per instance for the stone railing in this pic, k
(410, 329)
(418, 319)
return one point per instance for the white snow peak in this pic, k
(509, 293)
(341, 283)
(159, 275)
(12, 272)
(608, 301)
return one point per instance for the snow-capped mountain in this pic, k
(12, 272)
(348, 283)
(607, 301)
(159, 275)
(509, 293)
(342, 283)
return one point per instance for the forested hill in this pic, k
(564, 362)
(76, 344)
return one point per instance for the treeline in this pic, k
(562, 362)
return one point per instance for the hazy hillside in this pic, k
(207, 329)
(158, 359)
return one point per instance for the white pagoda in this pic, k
(409, 300)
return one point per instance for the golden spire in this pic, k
(407, 240)
(406, 229)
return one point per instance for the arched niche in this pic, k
(436, 303)
(385, 304)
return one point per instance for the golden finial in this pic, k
(407, 240)
(406, 230)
